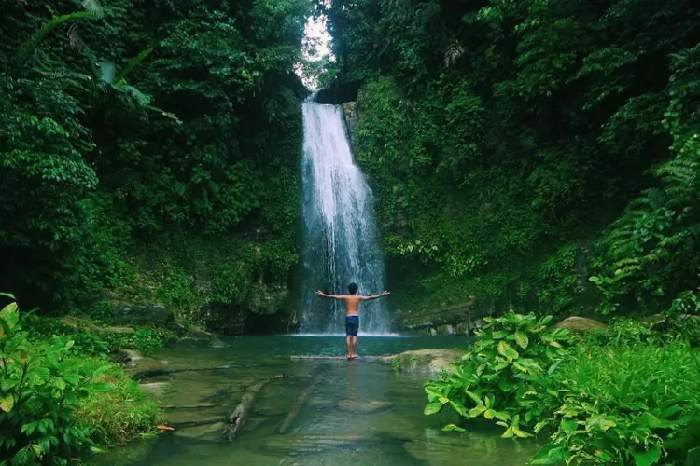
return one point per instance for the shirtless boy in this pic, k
(352, 321)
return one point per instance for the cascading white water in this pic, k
(340, 244)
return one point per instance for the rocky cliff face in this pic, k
(459, 319)
(352, 119)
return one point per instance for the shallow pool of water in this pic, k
(333, 412)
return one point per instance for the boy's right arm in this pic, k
(332, 296)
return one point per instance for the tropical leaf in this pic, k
(432, 408)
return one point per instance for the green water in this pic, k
(358, 413)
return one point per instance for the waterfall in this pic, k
(340, 243)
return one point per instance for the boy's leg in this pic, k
(354, 345)
(348, 346)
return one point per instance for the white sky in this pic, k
(316, 32)
(316, 39)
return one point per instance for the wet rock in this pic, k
(454, 319)
(351, 118)
(211, 432)
(580, 324)
(138, 364)
(446, 329)
(426, 361)
(199, 339)
(133, 355)
(339, 92)
(369, 407)
(156, 388)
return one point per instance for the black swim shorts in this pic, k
(352, 323)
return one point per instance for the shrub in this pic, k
(40, 390)
(615, 398)
(624, 405)
(55, 402)
(503, 369)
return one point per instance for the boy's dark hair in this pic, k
(352, 288)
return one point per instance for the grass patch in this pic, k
(120, 415)
(57, 402)
(623, 396)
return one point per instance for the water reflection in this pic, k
(356, 413)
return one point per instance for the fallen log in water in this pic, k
(296, 407)
(241, 411)
(387, 358)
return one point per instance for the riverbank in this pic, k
(625, 394)
(61, 397)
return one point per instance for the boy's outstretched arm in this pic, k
(377, 296)
(333, 296)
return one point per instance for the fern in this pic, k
(133, 64)
(32, 43)
(93, 7)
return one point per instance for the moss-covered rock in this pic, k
(580, 324)
(426, 361)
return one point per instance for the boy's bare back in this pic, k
(352, 301)
(352, 322)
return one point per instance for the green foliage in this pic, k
(648, 254)
(499, 377)
(118, 416)
(146, 340)
(624, 333)
(500, 136)
(83, 179)
(91, 340)
(41, 389)
(615, 398)
(625, 405)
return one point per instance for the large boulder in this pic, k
(580, 324)
(153, 314)
(456, 319)
(339, 92)
(194, 338)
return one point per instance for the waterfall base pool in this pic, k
(353, 412)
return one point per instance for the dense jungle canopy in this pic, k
(535, 154)
(532, 163)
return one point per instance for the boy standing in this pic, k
(352, 321)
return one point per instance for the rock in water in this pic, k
(360, 407)
(156, 388)
(581, 324)
(426, 361)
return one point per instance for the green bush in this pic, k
(40, 390)
(497, 378)
(623, 396)
(631, 405)
(622, 333)
(56, 401)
